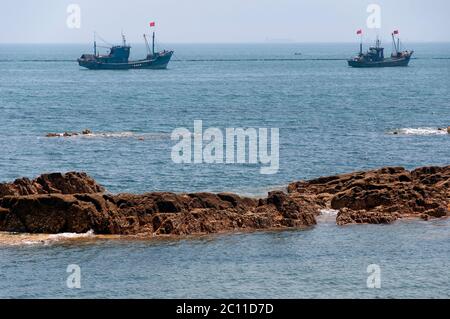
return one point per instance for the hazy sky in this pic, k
(222, 20)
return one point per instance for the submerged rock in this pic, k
(69, 134)
(86, 132)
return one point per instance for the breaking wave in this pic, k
(327, 216)
(64, 236)
(421, 131)
(113, 135)
(12, 239)
(328, 212)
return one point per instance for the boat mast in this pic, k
(153, 43)
(395, 45)
(146, 44)
(361, 45)
(124, 41)
(95, 45)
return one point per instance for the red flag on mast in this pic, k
(152, 24)
(359, 32)
(396, 32)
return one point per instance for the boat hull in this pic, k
(386, 63)
(159, 62)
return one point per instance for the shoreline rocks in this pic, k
(148, 214)
(381, 196)
(74, 202)
(55, 183)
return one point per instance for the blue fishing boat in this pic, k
(375, 57)
(118, 58)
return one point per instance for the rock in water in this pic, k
(52, 135)
(381, 196)
(86, 132)
(149, 214)
(74, 202)
(56, 183)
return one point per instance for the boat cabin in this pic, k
(117, 54)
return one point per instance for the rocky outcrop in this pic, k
(74, 202)
(381, 196)
(150, 214)
(56, 183)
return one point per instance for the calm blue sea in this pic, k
(332, 119)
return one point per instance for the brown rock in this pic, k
(74, 202)
(149, 214)
(56, 183)
(380, 196)
(347, 216)
(52, 135)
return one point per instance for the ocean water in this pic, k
(326, 261)
(332, 119)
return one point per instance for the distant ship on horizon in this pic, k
(374, 57)
(118, 58)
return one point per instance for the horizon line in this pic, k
(240, 42)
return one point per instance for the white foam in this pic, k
(143, 136)
(40, 239)
(421, 131)
(327, 216)
(328, 212)
(63, 236)
(108, 135)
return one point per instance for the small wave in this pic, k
(109, 135)
(64, 236)
(421, 131)
(14, 239)
(116, 135)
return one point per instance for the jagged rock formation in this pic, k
(74, 202)
(149, 214)
(380, 196)
(56, 183)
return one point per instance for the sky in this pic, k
(221, 21)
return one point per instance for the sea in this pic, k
(331, 119)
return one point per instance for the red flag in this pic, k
(152, 24)
(396, 32)
(359, 32)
